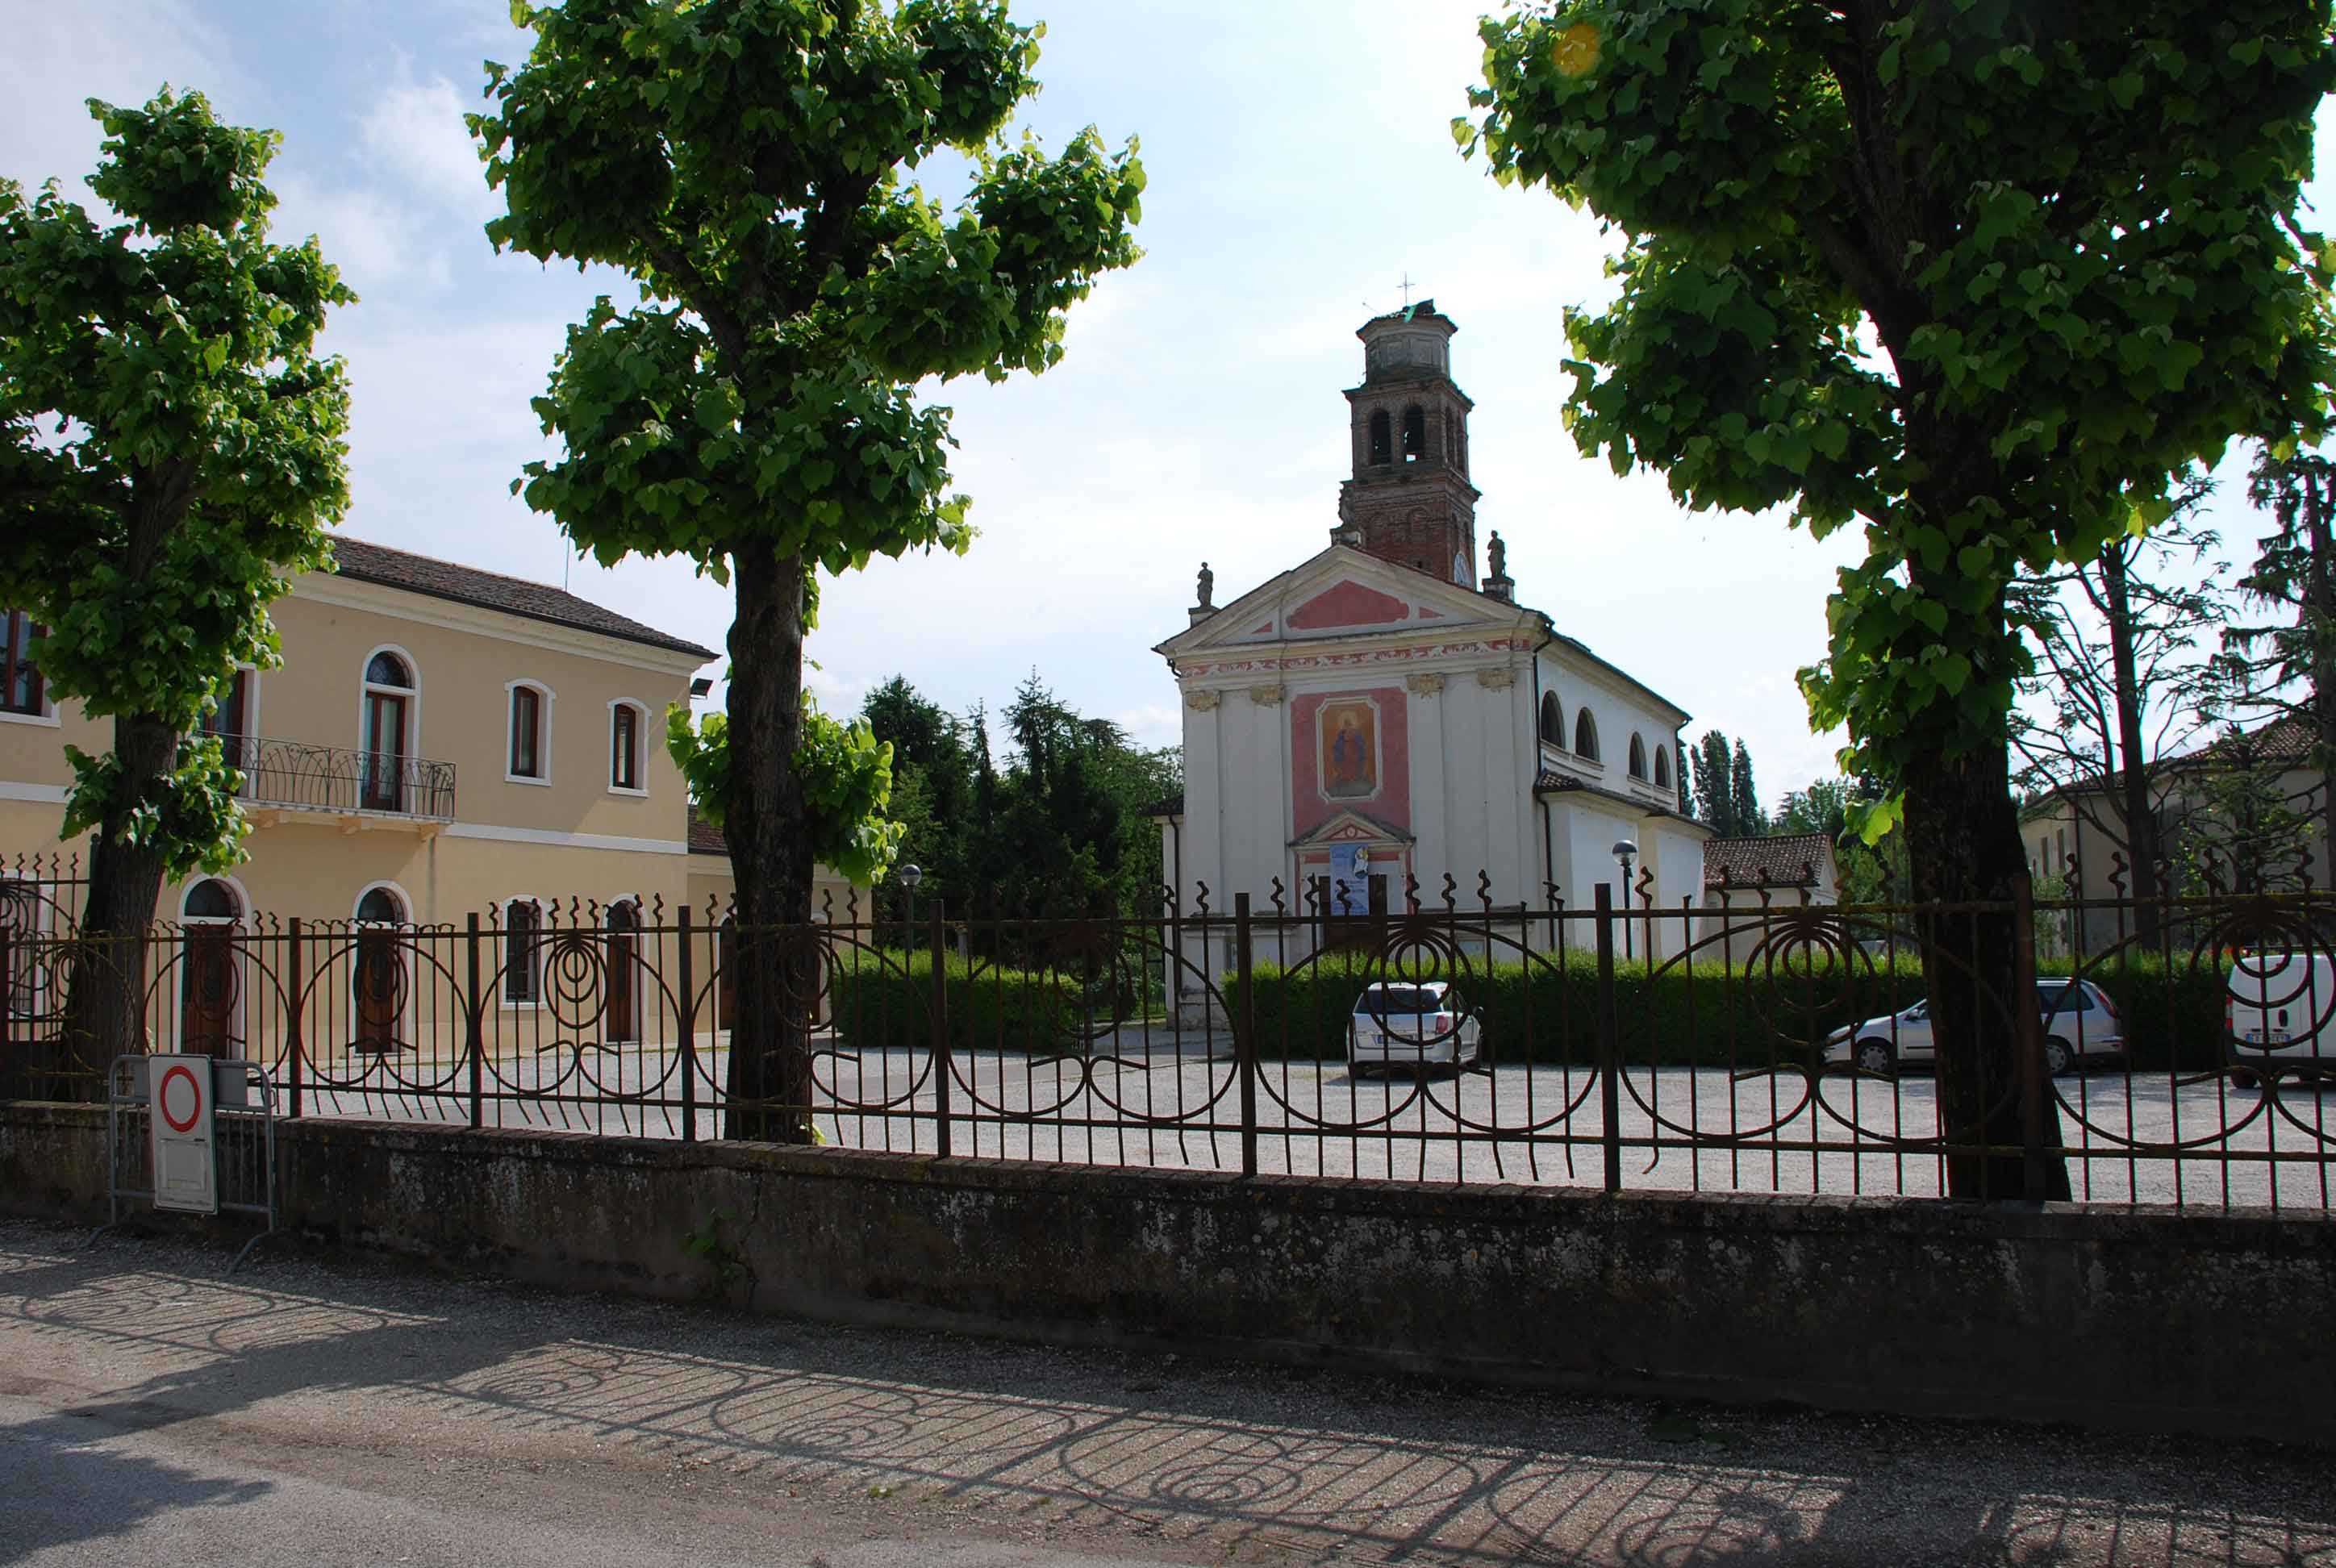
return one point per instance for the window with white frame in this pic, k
(625, 727)
(21, 690)
(529, 756)
(522, 934)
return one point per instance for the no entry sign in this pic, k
(185, 1162)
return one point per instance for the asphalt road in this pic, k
(155, 1412)
(1318, 1119)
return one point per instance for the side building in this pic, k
(439, 741)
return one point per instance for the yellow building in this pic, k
(439, 743)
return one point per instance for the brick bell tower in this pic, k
(1410, 500)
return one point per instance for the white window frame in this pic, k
(534, 958)
(640, 748)
(242, 956)
(411, 694)
(544, 698)
(47, 718)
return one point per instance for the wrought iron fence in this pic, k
(1783, 1046)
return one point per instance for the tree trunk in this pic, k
(1963, 841)
(768, 827)
(2320, 633)
(2142, 846)
(106, 1004)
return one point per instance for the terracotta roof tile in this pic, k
(1783, 860)
(363, 562)
(705, 838)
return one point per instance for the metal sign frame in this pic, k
(241, 1109)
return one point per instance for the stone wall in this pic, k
(2109, 1317)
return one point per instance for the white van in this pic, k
(2279, 1015)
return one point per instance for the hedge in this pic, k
(888, 1003)
(1670, 1017)
(1708, 1017)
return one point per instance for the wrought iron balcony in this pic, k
(295, 776)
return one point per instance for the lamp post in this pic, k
(911, 875)
(1625, 851)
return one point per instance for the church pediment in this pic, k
(1352, 827)
(1343, 592)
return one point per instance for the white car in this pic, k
(1409, 1025)
(2280, 1013)
(2080, 1023)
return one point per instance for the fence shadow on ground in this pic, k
(1316, 1464)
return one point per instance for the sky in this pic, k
(1301, 170)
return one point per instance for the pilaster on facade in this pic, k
(1424, 684)
(1199, 700)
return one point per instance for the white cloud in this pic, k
(414, 133)
(122, 51)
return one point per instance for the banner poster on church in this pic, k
(1350, 890)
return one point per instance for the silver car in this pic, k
(1413, 1024)
(2080, 1024)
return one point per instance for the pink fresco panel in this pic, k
(1350, 751)
(1348, 603)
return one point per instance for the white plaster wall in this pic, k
(1617, 716)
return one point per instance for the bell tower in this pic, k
(1410, 501)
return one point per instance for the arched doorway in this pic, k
(377, 988)
(623, 1011)
(210, 983)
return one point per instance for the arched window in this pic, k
(377, 985)
(210, 977)
(1585, 737)
(1638, 757)
(528, 737)
(381, 906)
(1552, 720)
(212, 900)
(522, 926)
(625, 727)
(1414, 433)
(1662, 767)
(621, 1019)
(386, 731)
(1382, 439)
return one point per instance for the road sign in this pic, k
(186, 1158)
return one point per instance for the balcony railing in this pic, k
(324, 778)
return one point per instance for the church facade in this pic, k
(1379, 717)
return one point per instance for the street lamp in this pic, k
(1624, 852)
(911, 875)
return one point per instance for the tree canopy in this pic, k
(171, 451)
(1981, 275)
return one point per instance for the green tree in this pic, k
(756, 412)
(171, 454)
(2282, 667)
(1715, 799)
(1981, 276)
(2122, 648)
(1750, 820)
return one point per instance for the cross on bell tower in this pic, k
(1410, 499)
